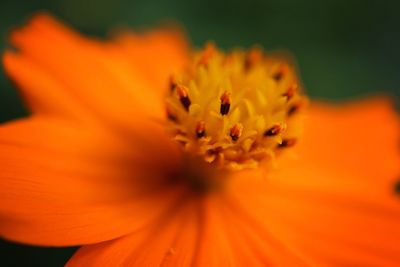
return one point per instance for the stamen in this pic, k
(291, 91)
(209, 50)
(253, 57)
(200, 129)
(280, 73)
(273, 131)
(182, 92)
(236, 131)
(227, 109)
(287, 143)
(292, 110)
(225, 103)
(212, 154)
(171, 116)
(172, 83)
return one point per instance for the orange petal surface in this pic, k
(61, 184)
(107, 79)
(334, 208)
(203, 231)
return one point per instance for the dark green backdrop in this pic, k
(345, 49)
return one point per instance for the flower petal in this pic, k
(158, 54)
(98, 76)
(333, 224)
(169, 241)
(43, 93)
(334, 203)
(246, 214)
(205, 231)
(61, 184)
(359, 137)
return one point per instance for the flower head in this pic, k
(235, 110)
(147, 153)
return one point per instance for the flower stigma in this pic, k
(235, 110)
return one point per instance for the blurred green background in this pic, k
(344, 49)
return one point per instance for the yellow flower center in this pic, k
(235, 109)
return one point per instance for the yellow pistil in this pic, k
(235, 110)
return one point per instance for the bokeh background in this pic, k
(344, 49)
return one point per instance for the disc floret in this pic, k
(235, 109)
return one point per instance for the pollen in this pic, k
(236, 110)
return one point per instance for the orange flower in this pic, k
(99, 164)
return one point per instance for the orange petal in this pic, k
(158, 54)
(245, 213)
(334, 204)
(315, 223)
(202, 232)
(98, 76)
(42, 92)
(359, 137)
(66, 185)
(169, 241)
(337, 225)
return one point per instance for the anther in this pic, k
(172, 83)
(291, 91)
(259, 100)
(171, 116)
(182, 92)
(212, 154)
(253, 57)
(209, 50)
(287, 143)
(200, 129)
(225, 103)
(236, 131)
(273, 131)
(292, 110)
(282, 71)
